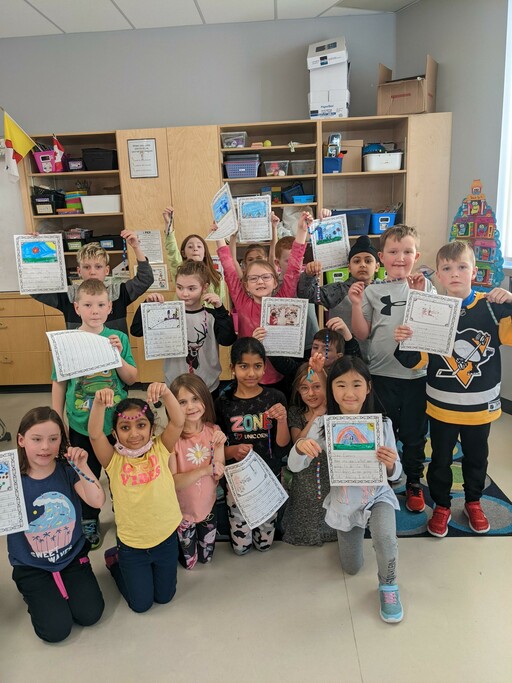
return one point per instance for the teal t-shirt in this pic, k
(81, 390)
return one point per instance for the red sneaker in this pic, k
(478, 522)
(414, 500)
(438, 523)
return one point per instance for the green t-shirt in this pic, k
(81, 390)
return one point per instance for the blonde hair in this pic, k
(90, 252)
(397, 233)
(455, 251)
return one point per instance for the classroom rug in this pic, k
(495, 504)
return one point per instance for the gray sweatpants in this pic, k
(383, 531)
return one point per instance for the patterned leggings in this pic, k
(242, 537)
(197, 540)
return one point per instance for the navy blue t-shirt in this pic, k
(54, 537)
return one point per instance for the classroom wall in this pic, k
(183, 76)
(467, 38)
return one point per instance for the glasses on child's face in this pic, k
(266, 277)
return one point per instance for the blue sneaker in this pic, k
(391, 610)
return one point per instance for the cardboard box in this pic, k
(327, 52)
(329, 104)
(415, 95)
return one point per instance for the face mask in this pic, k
(130, 452)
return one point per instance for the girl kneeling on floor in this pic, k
(51, 567)
(351, 508)
(147, 513)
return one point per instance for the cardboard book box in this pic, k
(415, 95)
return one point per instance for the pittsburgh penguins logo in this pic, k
(388, 304)
(471, 349)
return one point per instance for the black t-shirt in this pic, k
(243, 420)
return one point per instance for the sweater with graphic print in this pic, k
(243, 421)
(464, 388)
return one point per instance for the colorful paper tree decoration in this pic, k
(475, 223)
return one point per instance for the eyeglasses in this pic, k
(266, 277)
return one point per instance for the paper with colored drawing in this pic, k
(285, 323)
(40, 264)
(351, 444)
(224, 215)
(164, 330)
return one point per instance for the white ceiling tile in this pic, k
(345, 12)
(301, 9)
(236, 11)
(160, 13)
(19, 19)
(83, 16)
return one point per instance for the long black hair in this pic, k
(239, 348)
(372, 403)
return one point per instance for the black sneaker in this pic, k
(91, 529)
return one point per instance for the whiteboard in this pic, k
(12, 223)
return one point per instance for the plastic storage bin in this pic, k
(381, 221)
(358, 220)
(276, 168)
(288, 193)
(46, 201)
(108, 242)
(234, 139)
(98, 159)
(45, 161)
(332, 164)
(242, 166)
(103, 203)
(302, 167)
(303, 198)
(384, 161)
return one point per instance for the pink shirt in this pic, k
(249, 312)
(197, 500)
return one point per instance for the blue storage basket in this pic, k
(242, 169)
(358, 220)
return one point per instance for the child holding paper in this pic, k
(260, 280)
(350, 508)
(376, 311)
(51, 567)
(463, 390)
(93, 265)
(207, 327)
(75, 396)
(253, 417)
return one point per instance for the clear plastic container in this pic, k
(302, 167)
(234, 139)
(276, 168)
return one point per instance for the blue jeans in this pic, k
(147, 575)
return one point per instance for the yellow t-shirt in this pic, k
(145, 503)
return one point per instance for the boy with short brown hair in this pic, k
(75, 396)
(376, 312)
(93, 263)
(463, 390)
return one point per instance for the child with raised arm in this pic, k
(147, 513)
(363, 263)
(50, 560)
(304, 515)
(463, 390)
(207, 327)
(74, 397)
(197, 464)
(260, 280)
(193, 248)
(376, 312)
(252, 416)
(350, 508)
(93, 265)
